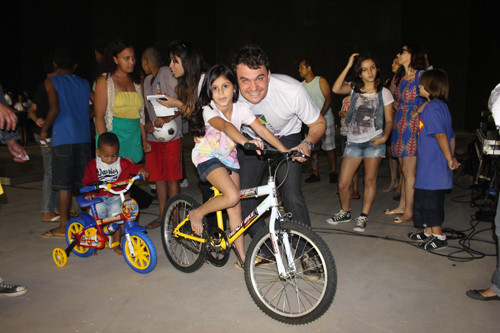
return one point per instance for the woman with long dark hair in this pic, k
(187, 65)
(119, 106)
(370, 105)
(404, 133)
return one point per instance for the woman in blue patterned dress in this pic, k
(404, 132)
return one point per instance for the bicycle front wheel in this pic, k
(143, 259)
(307, 290)
(184, 254)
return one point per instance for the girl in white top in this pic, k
(369, 122)
(216, 123)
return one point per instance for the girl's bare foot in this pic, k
(196, 223)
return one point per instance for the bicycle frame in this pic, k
(93, 241)
(270, 202)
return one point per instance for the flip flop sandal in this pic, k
(400, 220)
(72, 213)
(51, 234)
(153, 224)
(238, 266)
(390, 212)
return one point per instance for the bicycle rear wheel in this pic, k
(74, 227)
(307, 291)
(184, 254)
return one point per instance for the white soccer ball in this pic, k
(167, 132)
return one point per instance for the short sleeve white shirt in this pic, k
(286, 106)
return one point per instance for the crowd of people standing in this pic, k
(227, 106)
(376, 119)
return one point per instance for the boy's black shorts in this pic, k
(428, 208)
(68, 165)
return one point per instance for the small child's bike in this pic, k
(88, 233)
(289, 270)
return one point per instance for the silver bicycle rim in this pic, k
(297, 295)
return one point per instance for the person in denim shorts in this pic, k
(370, 105)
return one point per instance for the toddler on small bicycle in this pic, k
(216, 123)
(108, 167)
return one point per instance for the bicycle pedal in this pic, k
(113, 245)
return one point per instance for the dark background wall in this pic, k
(459, 38)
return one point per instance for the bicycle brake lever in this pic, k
(296, 153)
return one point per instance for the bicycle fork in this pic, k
(283, 272)
(129, 245)
(276, 216)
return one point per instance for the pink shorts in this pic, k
(164, 162)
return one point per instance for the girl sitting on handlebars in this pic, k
(216, 123)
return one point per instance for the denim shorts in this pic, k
(364, 149)
(110, 206)
(206, 167)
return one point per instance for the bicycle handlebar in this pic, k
(270, 151)
(109, 187)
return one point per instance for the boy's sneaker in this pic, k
(341, 217)
(311, 267)
(360, 224)
(418, 235)
(433, 243)
(10, 290)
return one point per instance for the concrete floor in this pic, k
(384, 283)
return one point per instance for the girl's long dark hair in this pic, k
(108, 65)
(197, 124)
(417, 61)
(357, 83)
(194, 65)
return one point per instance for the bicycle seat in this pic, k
(82, 202)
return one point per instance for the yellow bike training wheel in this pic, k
(60, 257)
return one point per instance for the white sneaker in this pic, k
(184, 183)
(360, 223)
(341, 217)
(11, 290)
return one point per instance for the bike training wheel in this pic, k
(307, 292)
(74, 226)
(184, 254)
(145, 252)
(60, 257)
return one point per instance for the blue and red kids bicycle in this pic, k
(88, 233)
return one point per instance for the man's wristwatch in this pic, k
(309, 144)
